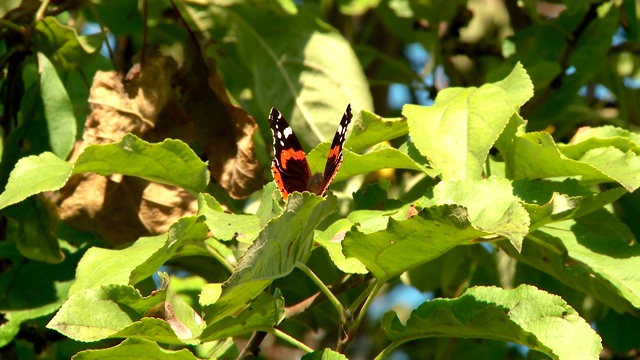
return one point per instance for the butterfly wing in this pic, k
(335, 154)
(290, 168)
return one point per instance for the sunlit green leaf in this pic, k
(491, 205)
(58, 111)
(354, 164)
(406, 244)
(263, 314)
(97, 313)
(284, 242)
(224, 226)
(170, 162)
(595, 254)
(324, 354)
(331, 239)
(138, 261)
(535, 155)
(33, 175)
(457, 132)
(135, 348)
(525, 315)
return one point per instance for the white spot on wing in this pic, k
(287, 132)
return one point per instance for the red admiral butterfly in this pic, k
(290, 167)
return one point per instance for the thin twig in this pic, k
(349, 282)
(145, 17)
(253, 345)
(353, 328)
(112, 57)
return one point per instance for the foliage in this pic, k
(139, 219)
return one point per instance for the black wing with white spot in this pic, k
(335, 154)
(290, 168)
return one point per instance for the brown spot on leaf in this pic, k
(338, 237)
(411, 212)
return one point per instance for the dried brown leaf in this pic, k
(225, 131)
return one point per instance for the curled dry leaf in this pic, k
(122, 208)
(147, 104)
(225, 130)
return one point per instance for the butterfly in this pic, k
(290, 168)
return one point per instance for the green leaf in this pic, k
(619, 166)
(58, 111)
(525, 315)
(299, 64)
(155, 329)
(223, 349)
(269, 204)
(63, 46)
(33, 175)
(210, 294)
(31, 224)
(595, 254)
(120, 311)
(457, 132)
(369, 221)
(132, 349)
(284, 242)
(324, 354)
(331, 240)
(600, 137)
(549, 201)
(372, 196)
(170, 321)
(369, 129)
(138, 261)
(170, 162)
(100, 312)
(223, 226)
(491, 205)
(535, 155)
(354, 164)
(406, 244)
(264, 313)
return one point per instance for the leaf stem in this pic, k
(40, 13)
(361, 298)
(11, 25)
(332, 299)
(291, 340)
(387, 350)
(377, 285)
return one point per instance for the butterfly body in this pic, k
(290, 168)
